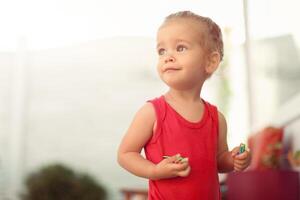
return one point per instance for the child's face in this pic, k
(182, 59)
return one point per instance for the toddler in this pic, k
(184, 137)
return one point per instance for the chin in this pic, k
(178, 85)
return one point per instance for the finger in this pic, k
(237, 169)
(241, 166)
(243, 155)
(182, 159)
(241, 160)
(238, 159)
(171, 159)
(245, 161)
(180, 167)
(235, 151)
(185, 172)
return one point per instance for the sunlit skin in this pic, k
(181, 63)
(184, 65)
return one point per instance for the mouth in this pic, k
(170, 69)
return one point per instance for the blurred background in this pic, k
(73, 74)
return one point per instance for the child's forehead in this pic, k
(184, 24)
(181, 26)
(180, 21)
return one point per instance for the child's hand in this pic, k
(172, 167)
(240, 160)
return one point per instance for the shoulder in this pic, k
(147, 108)
(139, 131)
(221, 117)
(146, 112)
(213, 111)
(222, 124)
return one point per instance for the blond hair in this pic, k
(212, 37)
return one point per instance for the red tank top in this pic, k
(197, 141)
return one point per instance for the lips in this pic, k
(171, 69)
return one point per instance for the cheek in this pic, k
(159, 67)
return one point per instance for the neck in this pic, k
(192, 95)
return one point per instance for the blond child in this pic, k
(184, 136)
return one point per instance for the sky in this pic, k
(54, 23)
(47, 24)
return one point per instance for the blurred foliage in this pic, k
(294, 158)
(58, 182)
(224, 89)
(271, 158)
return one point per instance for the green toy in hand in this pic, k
(242, 148)
(179, 158)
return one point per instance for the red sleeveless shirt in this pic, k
(197, 141)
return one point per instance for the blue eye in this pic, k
(161, 51)
(181, 48)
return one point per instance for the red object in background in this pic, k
(133, 193)
(263, 185)
(266, 148)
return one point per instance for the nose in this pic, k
(169, 59)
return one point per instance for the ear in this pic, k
(213, 62)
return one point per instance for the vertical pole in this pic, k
(17, 122)
(249, 65)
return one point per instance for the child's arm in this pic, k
(230, 160)
(129, 157)
(224, 157)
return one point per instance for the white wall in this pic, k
(7, 60)
(80, 102)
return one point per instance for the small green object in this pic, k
(297, 154)
(179, 158)
(242, 148)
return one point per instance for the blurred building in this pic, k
(78, 102)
